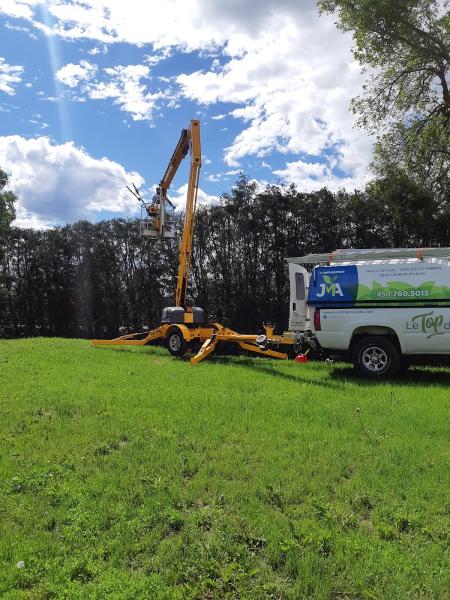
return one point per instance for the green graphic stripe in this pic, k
(396, 291)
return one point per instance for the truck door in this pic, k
(427, 330)
(298, 308)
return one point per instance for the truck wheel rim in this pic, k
(175, 343)
(375, 359)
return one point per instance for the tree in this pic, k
(406, 100)
(7, 200)
(426, 161)
(405, 210)
(7, 215)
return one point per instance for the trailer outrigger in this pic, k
(182, 325)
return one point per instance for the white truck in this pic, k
(381, 307)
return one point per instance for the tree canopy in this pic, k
(102, 279)
(7, 201)
(406, 100)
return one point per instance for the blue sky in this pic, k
(94, 93)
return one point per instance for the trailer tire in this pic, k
(175, 343)
(376, 357)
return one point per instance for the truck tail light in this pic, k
(317, 326)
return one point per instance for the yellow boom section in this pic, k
(193, 139)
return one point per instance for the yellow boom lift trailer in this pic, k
(181, 325)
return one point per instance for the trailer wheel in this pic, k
(175, 343)
(376, 357)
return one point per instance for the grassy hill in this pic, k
(125, 474)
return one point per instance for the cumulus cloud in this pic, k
(122, 84)
(18, 9)
(110, 21)
(194, 24)
(19, 28)
(10, 76)
(59, 183)
(289, 72)
(128, 92)
(309, 177)
(72, 74)
(293, 89)
(178, 198)
(103, 49)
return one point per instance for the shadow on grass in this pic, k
(257, 365)
(339, 376)
(414, 376)
(124, 348)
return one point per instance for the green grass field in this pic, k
(127, 474)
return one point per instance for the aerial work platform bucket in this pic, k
(157, 217)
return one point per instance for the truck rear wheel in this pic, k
(376, 357)
(175, 343)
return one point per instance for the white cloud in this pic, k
(214, 177)
(29, 220)
(10, 76)
(289, 72)
(294, 87)
(110, 21)
(121, 83)
(154, 59)
(218, 117)
(18, 9)
(247, 113)
(19, 28)
(128, 92)
(103, 49)
(72, 74)
(194, 24)
(309, 177)
(37, 121)
(178, 198)
(59, 183)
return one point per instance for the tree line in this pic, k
(100, 280)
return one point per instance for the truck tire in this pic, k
(175, 343)
(405, 363)
(376, 357)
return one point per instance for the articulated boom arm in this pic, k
(189, 140)
(182, 148)
(179, 334)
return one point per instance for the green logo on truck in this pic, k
(429, 323)
(330, 287)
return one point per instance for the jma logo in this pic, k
(330, 286)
